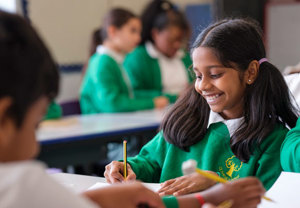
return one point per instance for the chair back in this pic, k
(70, 107)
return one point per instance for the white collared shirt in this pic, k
(173, 73)
(293, 82)
(232, 124)
(25, 184)
(119, 58)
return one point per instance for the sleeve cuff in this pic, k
(170, 202)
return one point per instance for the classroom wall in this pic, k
(66, 26)
(282, 33)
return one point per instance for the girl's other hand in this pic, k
(161, 102)
(185, 184)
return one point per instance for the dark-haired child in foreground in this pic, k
(28, 82)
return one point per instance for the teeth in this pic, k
(212, 98)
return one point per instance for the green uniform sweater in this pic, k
(159, 161)
(290, 150)
(104, 89)
(54, 111)
(145, 76)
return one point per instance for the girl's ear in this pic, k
(111, 31)
(6, 124)
(252, 72)
(154, 33)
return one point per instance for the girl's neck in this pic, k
(113, 47)
(228, 116)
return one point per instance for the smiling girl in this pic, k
(232, 122)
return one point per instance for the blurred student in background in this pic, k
(159, 65)
(106, 86)
(54, 111)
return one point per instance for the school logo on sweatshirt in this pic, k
(231, 166)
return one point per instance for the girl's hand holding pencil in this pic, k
(114, 172)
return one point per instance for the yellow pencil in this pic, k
(125, 158)
(220, 180)
(211, 176)
(226, 204)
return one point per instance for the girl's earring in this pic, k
(249, 81)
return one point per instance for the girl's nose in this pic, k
(203, 84)
(177, 45)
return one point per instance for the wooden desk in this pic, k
(82, 139)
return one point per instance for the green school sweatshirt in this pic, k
(145, 76)
(290, 150)
(54, 111)
(170, 201)
(105, 90)
(159, 160)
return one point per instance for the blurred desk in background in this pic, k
(76, 140)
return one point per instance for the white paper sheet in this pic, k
(152, 186)
(285, 192)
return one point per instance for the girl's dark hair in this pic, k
(160, 14)
(266, 101)
(96, 40)
(116, 17)
(28, 71)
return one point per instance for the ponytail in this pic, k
(267, 102)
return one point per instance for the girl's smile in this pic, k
(212, 98)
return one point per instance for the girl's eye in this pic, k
(215, 76)
(134, 30)
(199, 77)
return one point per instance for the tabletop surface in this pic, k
(81, 183)
(77, 183)
(100, 124)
